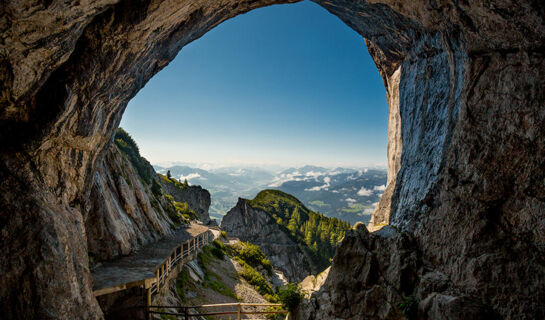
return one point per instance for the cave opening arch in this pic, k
(67, 79)
(79, 98)
(281, 83)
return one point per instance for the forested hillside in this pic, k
(318, 233)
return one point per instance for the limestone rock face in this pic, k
(373, 273)
(369, 276)
(256, 226)
(196, 197)
(465, 84)
(122, 213)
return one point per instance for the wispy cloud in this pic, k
(380, 188)
(318, 188)
(285, 177)
(314, 174)
(325, 186)
(364, 192)
(191, 176)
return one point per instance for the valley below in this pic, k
(347, 194)
(260, 254)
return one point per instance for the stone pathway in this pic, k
(142, 264)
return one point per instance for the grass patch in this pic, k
(256, 280)
(211, 279)
(252, 255)
(182, 282)
(221, 288)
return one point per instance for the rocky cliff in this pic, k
(196, 197)
(391, 281)
(465, 85)
(256, 226)
(123, 213)
(130, 205)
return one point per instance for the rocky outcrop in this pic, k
(369, 277)
(465, 84)
(390, 280)
(122, 214)
(196, 197)
(256, 226)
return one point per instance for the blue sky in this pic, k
(283, 85)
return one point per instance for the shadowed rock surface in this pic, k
(465, 85)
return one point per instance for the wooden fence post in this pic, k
(239, 310)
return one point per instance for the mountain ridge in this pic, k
(331, 191)
(297, 240)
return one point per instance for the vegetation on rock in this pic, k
(251, 259)
(211, 279)
(290, 296)
(126, 144)
(177, 183)
(253, 255)
(318, 234)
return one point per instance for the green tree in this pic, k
(290, 296)
(318, 234)
(126, 144)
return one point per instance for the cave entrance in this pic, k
(284, 97)
(69, 78)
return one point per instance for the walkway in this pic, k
(150, 266)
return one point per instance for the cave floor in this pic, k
(142, 264)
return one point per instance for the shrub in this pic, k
(290, 296)
(128, 146)
(182, 281)
(255, 279)
(183, 209)
(409, 307)
(217, 252)
(253, 255)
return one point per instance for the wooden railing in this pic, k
(186, 313)
(183, 251)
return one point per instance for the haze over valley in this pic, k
(345, 193)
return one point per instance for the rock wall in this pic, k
(390, 272)
(466, 141)
(196, 197)
(122, 214)
(256, 226)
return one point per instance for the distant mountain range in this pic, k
(348, 194)
(225, 185)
